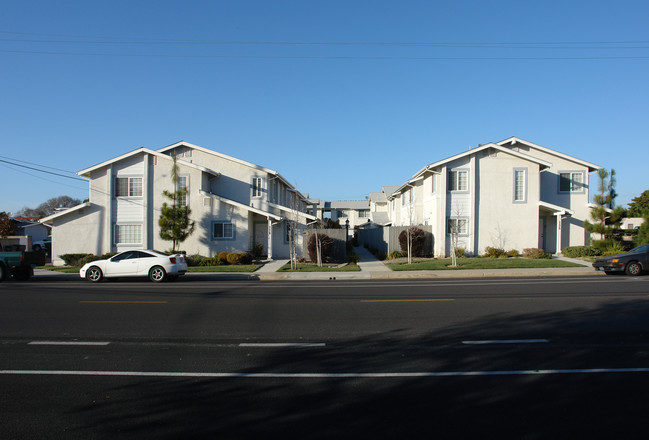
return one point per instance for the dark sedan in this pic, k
(633, 262)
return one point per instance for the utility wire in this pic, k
(43, 171)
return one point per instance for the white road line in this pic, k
(67, 343)
(506, 341)
(324, 375)
(281, 344)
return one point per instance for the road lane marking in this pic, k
(281, 344)
(406, 300)
(386, 375)
(123, 302)
(506, 341)
(67, 343)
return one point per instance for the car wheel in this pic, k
(633, 268)
(37, 248)
(94, 274)
(157, 274)
(2, 272)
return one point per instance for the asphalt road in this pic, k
(506, 358)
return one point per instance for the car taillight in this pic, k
(173, 260)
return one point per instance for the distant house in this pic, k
(235, 204)
(512, 194)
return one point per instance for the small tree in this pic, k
(175, 224)
(639, 205)
(643, 232)
(413, 241)
(320, 247)
(7, 225)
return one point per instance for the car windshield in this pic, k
(640, 249)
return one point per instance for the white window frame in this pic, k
(462, 231)
(520, 185)
(136, 233)
(454, 180)
(130, 182)
(577, 185)
(184, 202)
(256, 187)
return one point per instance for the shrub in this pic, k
(223, 257)
(492, 252)
(614, 248)
(535, 253)
(193, 260)
(87, 259)
(257, 250)
(460, 252)
(73, 259)
(513, 253)
(395, 254)
(245, 258)
(234, 258)
(108, 255)
(208, 261)
(418, 240)
(580, 251)
(381, 255)
(326, 247)
(353, 258)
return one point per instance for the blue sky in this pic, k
(340, 97)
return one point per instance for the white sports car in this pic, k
(140, 263)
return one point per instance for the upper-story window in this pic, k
(256, 186)
(364, 213)
(520, 185)
(571, 181)
(458, 180)
(434, 183)
(128, 187)
(183, 183)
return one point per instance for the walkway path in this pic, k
(368, 262)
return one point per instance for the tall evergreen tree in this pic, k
(175, 224)
(639, 205)
(605, 218)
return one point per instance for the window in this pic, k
(571, 181)
(520, 185)
(128, 187)
(458, 226)
(434, 183)
(183, 183)
(222, 230)
(256, 186)
(364, 213)
(458, 180)
(128, 234)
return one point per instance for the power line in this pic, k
(43, 171)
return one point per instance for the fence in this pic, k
(339, 245)
(386, 239)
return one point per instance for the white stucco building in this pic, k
(512, 194)
(235, 205)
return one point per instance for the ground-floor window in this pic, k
(222, 230)
(458, 226)
(128, 234)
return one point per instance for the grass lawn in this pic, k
(225, 268)
(324, 268)
(480, 263)
(62, 269)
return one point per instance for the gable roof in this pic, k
(513, 140)
(87, 171)
(49, 218)
(226, 157)
(429, 168)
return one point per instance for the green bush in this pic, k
(257, 250)
(73, 259)
(614, 249)
(223, 257)
(245, 258)
(580, 251)
(353, 258)
(208, 261)
(536, 254)
(492, 252)
(234, 258)
(108, 255)
(87, 259)
(395, 254)
(460, 252)
(381, 255)
(193, 260)
(513, 253)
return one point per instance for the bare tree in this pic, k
(49, 207)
